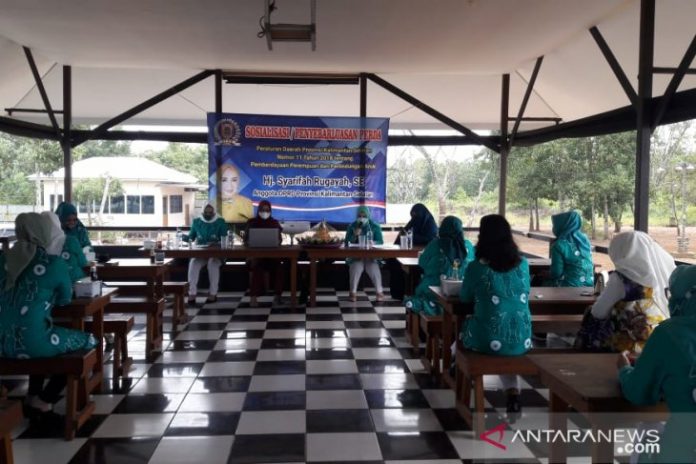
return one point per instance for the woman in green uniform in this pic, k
(205, 230)
(571, 252)
(72, 226)
(361, 226)
(449, 250)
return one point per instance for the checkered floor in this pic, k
(336, 383)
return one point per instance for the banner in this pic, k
(309, 168)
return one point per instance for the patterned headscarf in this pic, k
(33, 230)
(568, 226)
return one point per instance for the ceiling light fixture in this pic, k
(282, 32)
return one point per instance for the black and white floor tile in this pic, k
(335, 383)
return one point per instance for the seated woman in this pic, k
(72, 226)
(424, 229)
(361, 226)
(437, 259)
(33, 278)
(571, 252)
(633, 301)
(666, 369)
(207, 229)
(265, 220)
(497, 283)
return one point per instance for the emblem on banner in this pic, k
(227, 132)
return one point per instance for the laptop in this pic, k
(263, 238)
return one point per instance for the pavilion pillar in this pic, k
(644, 113)
(504, 144)
(67, 133)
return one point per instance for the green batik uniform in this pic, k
(26, 326)
(570, 267)
(63, 211)
(74, 257)
(571, 252)
(377, 237)
(203, 232)
(435, 262)
(666, 369)
(501, 323)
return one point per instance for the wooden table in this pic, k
(288, 253)
(137, 269)
(412, 271)
(542, 300)
(589, 384)
(76, 312)
(10, 417)
(376, 252)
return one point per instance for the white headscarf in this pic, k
(215, 216)
(57, 236)
(638, 257)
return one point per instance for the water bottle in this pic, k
(409, 237)
(368, 237)
(177, 240)
(230, 239)
(454, 271)
(93, 273)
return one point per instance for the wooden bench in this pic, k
(10, 417)
(432, 327)
(77, 367)
(119, 325)
(413, 328)
(153, 310)
(556, 323)
(472, 366)
(178, 290)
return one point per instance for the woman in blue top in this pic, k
(497, 283)
(205, 230)
(424, 229)
(666, 369)
(361, 226)
(571, 252)
(33, 278)
(437, 259)
(72, 226)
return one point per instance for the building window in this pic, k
(133, 202)
(148, 204)
(53, 202)
(116, 205)
(176, 204)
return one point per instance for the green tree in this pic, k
(94, 193)
(188, 158)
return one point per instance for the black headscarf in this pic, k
(423, 225)
(496, 245)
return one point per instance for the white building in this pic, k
(153, 195)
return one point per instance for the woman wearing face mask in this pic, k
(360, 227)
(264, 220)
(34, 278)
(666, 369)
(72, 226)
(235, 207)
(424, 229)
(208, 229)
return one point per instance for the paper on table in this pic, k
(384, 247)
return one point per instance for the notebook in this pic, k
(263, 238)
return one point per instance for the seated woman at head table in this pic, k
(424, 229)
(265, 220)
(570, 252)
(633, 301)
(497, 283)
(666, 369)
(72, 226)
(450, 250)
(205, 230)
(360, 227)
(34, 278)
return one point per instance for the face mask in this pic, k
(362, 220)
(264, 215)
(208, 216)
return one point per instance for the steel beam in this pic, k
(429, 110)
(504, 143)
(27, 129)
(643, 112)
(218, 91)
(525, 100)
(615, 66)
(663, 70)
(67, 133)
(42, 89)
(363, 96)
(9, 111)
(674, 82)
(104, 127)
